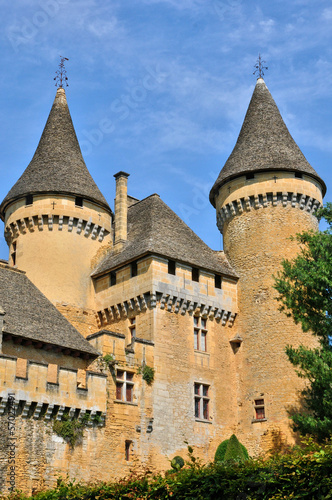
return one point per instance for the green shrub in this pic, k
(234, 450)
(147, 374)
(235, 444)
(177, 462)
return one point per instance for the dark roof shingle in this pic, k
(57, 165)
(264, 143)
(29, 314)
(153, 228)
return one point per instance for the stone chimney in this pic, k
(120, 209)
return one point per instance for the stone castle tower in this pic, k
(265, 193)
(56, 218)
(137, 288)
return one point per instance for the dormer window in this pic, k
(29, 199)
(79, 201)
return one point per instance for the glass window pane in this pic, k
(129, 392)
(197, 401)
(130, 376)
(196, 320)
(203, 323)
(205, 390)
(119, 374)
(260, 413)
(203, 341)
(195, 339)
(197, 388)
(205, 409)
(119, 386)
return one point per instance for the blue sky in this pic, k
(159, 88)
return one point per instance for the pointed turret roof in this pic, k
(264, 143)
(57, 166)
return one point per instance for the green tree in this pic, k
(305, 293)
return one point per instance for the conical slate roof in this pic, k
(57, 166)
(153, 228)
(264, 143)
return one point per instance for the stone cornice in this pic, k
(88, 228)
(170, 301)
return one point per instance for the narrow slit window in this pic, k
(128, 445)
(133, 269)
(13, 254)
(79, 201)
(195, 274)
(217, 281)
(29, 199)
(250, 176)
(171, 267)
(112, 278)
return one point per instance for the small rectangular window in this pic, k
(133, 269)
(29, 199)
(250, 176)
(112, 278)
(195, 274)
(79, 201)
(217, 281)
(200, 334)
(259, 409)
(202, 401)
(171, 267)
(298, 175)
(127, 450)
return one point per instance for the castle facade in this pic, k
(126, 323)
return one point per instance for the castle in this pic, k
(127, 322)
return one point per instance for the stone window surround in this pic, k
(201, 401)
(124, 386)
(200, 333)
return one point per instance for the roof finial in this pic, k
(259, 67)
(61, 74)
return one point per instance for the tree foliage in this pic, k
(305, 293)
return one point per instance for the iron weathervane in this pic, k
(260, 67)
(61, 74)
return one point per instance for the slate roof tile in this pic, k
(29, 314)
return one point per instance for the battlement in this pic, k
(50, 386)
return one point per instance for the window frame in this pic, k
(259, 407)
(200, 332)
(124, 385)
(202, 401)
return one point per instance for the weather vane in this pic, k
(259, 67)
(61, 74)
